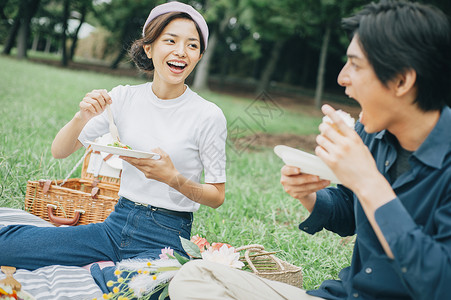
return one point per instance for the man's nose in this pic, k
(343, 77)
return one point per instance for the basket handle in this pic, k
(95, 189)
(253, 247)
(63, 221)
(260, 249)
(45, 184)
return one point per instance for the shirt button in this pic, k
(355, 295)
(368, 270)
(404, 269)
(387, 162)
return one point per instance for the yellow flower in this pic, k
(140, 271)
(120, 280)
(154, 277)
(115, 290)
(109, 283)
(149, 264)
(146, 272)
(105, 296)
(117, 272)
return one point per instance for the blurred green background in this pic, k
(285, 46)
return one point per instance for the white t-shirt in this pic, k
(190, 129)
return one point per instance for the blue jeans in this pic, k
(131, 231)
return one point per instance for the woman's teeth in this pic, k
(176, 64)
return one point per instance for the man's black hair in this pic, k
(397, 36)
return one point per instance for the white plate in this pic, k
(114, 161)
(308, 163)
(123, 151)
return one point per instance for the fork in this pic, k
(113, 129)
(9, 279)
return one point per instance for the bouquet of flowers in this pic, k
(139, 278)
(8, 293)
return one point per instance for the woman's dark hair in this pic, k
(397, 36)
(152, 32)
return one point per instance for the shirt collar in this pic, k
(438, 143)
(380, 135)
(436, 146)
(168, 103)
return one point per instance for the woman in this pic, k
(157, 197)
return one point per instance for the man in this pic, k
(395, 169)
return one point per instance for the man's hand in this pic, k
(301, 186)
(342, 149)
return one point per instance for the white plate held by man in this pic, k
(308, 163)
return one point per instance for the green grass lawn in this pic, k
(37, 100)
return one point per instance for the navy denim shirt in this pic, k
(416, 224)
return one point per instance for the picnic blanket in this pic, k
(52, 282)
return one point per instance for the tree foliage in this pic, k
(295, 42)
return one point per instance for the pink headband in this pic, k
(176, 6)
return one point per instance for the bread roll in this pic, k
(349, 121)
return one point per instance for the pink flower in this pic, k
(165, 252)
(201, 242)
(217, 246)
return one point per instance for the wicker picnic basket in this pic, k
(266, 265)
(74, 201)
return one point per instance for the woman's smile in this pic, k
(176, 66)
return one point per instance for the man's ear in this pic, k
(405, 82)
(147, 51)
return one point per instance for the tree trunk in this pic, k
(127, 36)
(270, 67)
(9, 44)
(322, 68)
(35, 44)
(201, 76)
(48, 44)
(30, 10)
(22, 40)
(118, 59)
(73, 47)
(64, 58)
(203, 69)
